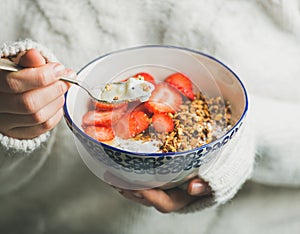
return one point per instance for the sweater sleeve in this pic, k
(20, 159)
(278, 133)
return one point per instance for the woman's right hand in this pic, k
(31, 99)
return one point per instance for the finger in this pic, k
(136, 197)
(31, 58)
(32, 101)
(198, 187)
(34, 131)
(31, 78)
(68, 72)
(167, 201)
(9, 121)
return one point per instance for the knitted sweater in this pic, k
(258, 40)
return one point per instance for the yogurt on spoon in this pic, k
(131, 89)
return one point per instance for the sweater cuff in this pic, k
(13, 48)
(26, 146)
(228, 172)
(10, 144)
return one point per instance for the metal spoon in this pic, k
(141, 90)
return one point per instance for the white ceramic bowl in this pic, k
(142, 169)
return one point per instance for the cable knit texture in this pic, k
(277, 160)
(13, 48)
(26, 146)
(233, 166)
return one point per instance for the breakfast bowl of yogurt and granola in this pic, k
(193, 108)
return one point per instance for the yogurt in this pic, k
(131, 89)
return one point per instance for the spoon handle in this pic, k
(8, 65)
(80, 84)
(70, 80)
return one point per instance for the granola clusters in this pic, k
(196, 123)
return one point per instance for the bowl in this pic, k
(136, 166)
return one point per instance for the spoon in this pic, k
(115, 92)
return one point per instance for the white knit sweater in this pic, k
(259, 40)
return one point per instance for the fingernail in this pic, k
(138, 195)
(197, 189)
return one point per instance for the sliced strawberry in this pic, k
(164, 99)
(101, 106)
(96, 118)
(145, 76)
(182, 83)
(189, 93)
(132, 124)
(162, 122)
(138, 106)
(141, 120)
(100, 133)
(122, 128)
(103, 118)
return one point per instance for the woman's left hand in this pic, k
(170, 200)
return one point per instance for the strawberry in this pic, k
(122, 129)
(141, 120)
(146, 76)
(132, 124)
(103, 118)
(164, 98)
(100, 133)
(182, 83)
(138, 106)
(162, 122)
(101, 106)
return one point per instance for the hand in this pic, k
(31, 100)
(170, 200)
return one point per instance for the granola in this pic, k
(196, 123)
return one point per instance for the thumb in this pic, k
(32, 58)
